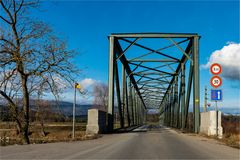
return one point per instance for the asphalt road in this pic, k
(157, 143)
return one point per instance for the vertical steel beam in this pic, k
(169, 109)
(142, 113)
(130, 100)
(123, 93)
(183, 96)
(179, 102)
(189, 88)
(196, 99)
(172, 106)
(133, 106)
(118, 96)
(110, 116)
(176, 99)
(138, 110)
(137, 107)
(127, 104)
(167, 115)
(165, 110)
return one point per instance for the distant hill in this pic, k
(63, 107)
(67, 108)
(227, 110)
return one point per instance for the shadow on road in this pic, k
(142, 128)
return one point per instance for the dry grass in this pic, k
(231, 130)
(55, 132)
(232, 140)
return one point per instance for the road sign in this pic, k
(216, 95)
(77, 85)
(215, 68)
(216, 81)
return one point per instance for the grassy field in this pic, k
(57, 131)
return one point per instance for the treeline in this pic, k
(152, 117)
(47, 115)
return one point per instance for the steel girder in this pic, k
(145, 86)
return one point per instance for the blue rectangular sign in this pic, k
(216, 95)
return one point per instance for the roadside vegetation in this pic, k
(54, 132)
(231, 130)
(50, 127)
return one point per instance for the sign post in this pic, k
(76, 86)
(216, 94)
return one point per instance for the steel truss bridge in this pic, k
(154, 71)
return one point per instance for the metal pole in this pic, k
(74, 110)
(216, 108)
(205, 99)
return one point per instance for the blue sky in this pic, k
(86, 25)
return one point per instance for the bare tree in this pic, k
(44, 110)
(31, 59)
(100, 94)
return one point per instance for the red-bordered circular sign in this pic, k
(216, 81)
(216, 68)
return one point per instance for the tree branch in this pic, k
(7, 98)
(7, 11)
(5, 20)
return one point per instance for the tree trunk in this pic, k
(18, 126)
(42, 128)
(25, 109)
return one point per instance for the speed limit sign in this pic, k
(215, 68)
(216, 81)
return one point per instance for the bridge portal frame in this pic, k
(133, 101)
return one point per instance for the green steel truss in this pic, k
(158, 82)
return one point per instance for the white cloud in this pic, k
(87, 82)
(229, 58)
